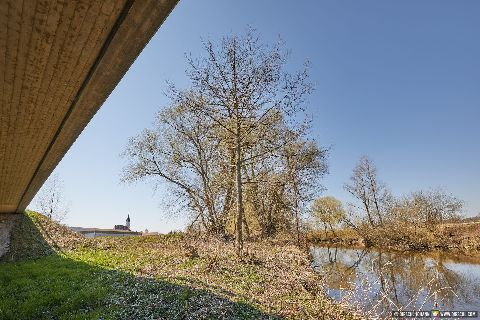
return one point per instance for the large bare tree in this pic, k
(246, 89)
(246, 107)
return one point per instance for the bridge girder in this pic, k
(59, 61)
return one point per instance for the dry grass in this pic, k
(275, 278)
(346, 237)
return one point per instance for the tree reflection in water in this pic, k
(377, 282)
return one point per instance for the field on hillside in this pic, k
(52, 273)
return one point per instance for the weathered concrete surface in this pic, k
(59, 61)
(7, 221)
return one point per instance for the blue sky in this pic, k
(398, 81)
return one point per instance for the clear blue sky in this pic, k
(398, 81)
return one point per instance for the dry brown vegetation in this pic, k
(456, 237)
(275, 277)
(422, 220)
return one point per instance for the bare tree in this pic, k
(428, 207)
(373, 194)
(187, 152)
(184, 150)
(245, 90)
(234, 139)
(304, 163)
(50, 200)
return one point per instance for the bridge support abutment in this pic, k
(7, 222)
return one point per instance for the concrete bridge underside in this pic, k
(59, 61)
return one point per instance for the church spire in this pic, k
(127, 224)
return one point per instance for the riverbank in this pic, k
(378, 281)
(461, 238)
(53, 273)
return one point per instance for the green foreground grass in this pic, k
(53, 288)
(159, 277)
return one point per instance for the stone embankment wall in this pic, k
(7, 221)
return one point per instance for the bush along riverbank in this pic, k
(171, 276)
(458, 237)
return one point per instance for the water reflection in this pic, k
(378, 281)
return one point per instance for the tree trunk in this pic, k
(367, 209)
(247, 230)
(238, 148)
(297, 207)
(375, 201)
(331, 228)
(297, 225)
(238, 167)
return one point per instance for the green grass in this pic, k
(52, 288)
(58, 287)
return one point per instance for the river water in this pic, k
(377, 282)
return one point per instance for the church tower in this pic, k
(127, 223)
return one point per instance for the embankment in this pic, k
(58, 274)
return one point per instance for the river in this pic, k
(377, 282)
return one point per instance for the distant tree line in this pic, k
(380, 206)
(375, 208)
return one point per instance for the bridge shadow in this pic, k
(43, 284)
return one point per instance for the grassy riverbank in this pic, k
(52, 273)
(461, 237)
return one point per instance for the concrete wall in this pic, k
(7, 221)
